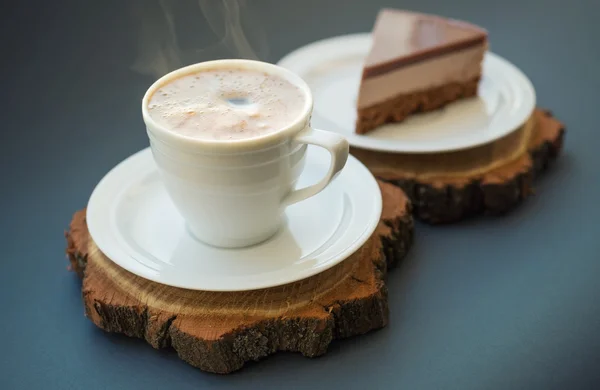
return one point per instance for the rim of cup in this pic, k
(163, 134)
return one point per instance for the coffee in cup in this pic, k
(226, 104)
(229, 138)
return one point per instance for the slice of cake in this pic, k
(417, 63)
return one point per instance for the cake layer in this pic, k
(453, 68)
(401, 38)
(398, 107)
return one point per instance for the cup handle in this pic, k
(338, 148)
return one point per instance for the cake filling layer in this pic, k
(457, 67)
(400, 107)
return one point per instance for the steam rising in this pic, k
(174, 34)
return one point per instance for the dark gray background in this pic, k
(506, 303)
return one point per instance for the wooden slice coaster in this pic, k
(220, 331)
(492, 178)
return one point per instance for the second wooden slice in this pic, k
(493, 178)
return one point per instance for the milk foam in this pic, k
(226, 104)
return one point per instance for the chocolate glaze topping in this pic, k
(402, 38)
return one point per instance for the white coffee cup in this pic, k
(232, 193)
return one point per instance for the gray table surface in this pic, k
(506, 303)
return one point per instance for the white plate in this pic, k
(332, 68)
(132, 221)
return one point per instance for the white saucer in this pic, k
(133, 222)
(332, 68)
